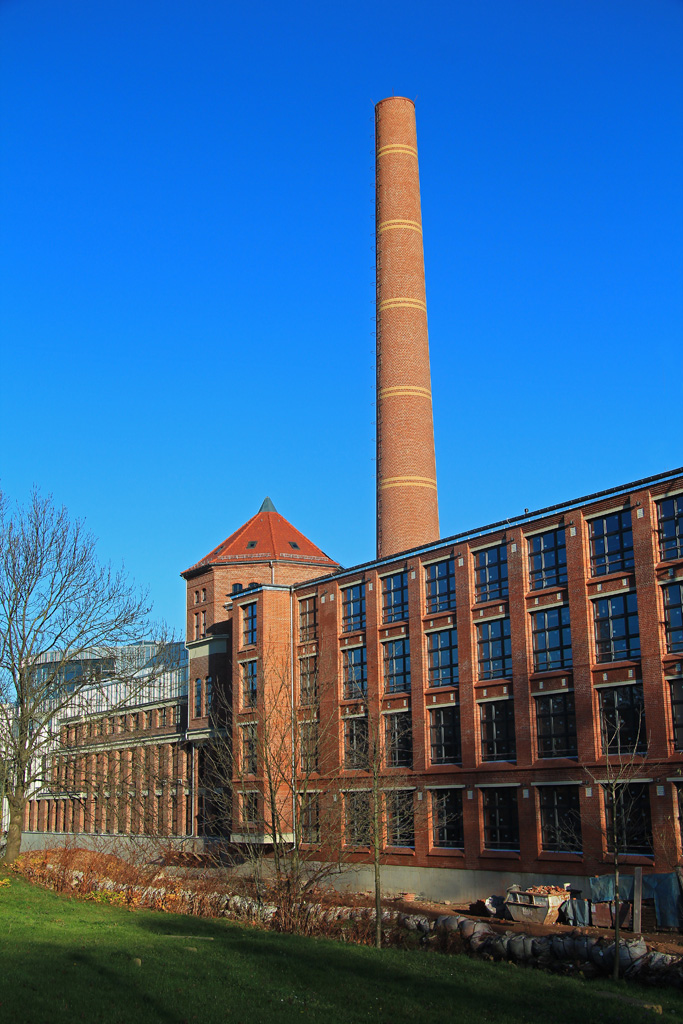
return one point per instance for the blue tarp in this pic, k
(663, 889)
(577, 912)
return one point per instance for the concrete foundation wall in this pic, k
(449, 885)
(106, 843)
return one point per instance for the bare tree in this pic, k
(272, 783)
(623, 821)
(66, 623)
(379, 809)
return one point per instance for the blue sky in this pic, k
(187, 259)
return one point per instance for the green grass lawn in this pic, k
(67, 960)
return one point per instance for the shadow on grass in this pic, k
(57, 984)
(350, 980)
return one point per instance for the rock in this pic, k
(581, 947)
(481, 936)
(542, 949)
(448, 922)
(517, 947)
(597, 955)
(499, 946)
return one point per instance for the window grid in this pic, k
(497, 718)
(197, 701)
(556, 725)
(249, 807)
(356, 753)
(673, 617)
(617, 633)
(548, 559)
(440, 586)
(677, 712)
(308, 619)
(249, 748)
(552, 639)
(398, 740)
(395, 597)
(633, 822)
(501, 820)
(560, 818)
(611, 543)
(444, 734)
(400, 818)
(357, 821)
(309, 746)
(353, 608)
(442, 658)
(491, 573)
(670, 514)
(622, 719)
(447, 827)
(249, 684)
(249, 621)
(308, 679)
(494, 649)
(397, 666)
(355, 673)
(310, 818)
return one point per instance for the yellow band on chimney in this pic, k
(408, 481)
(413, 392)
(402, 302)
(392, 225)
(396, 147)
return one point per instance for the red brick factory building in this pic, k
(497, 664)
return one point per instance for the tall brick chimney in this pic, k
(407, 507)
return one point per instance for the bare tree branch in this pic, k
(65, 624)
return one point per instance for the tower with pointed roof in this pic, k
(266, 550)
(239, 608)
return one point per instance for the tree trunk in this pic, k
(617, 925)
(376, 857)
(617, 902)
(17, 804)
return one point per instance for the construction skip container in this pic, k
(536, 907)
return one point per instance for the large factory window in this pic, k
(617, 633)
(547, 559)
(440, 586)
(611, 543)
(491, 573)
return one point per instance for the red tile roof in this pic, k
(267, 535)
